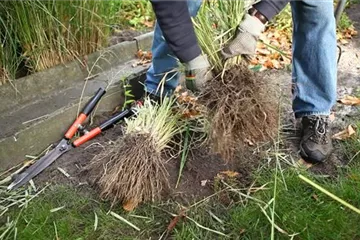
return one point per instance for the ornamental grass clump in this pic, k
(241, 104)
(48, 33)
(9, 61)
(132, 169)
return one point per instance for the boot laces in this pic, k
(320, 127)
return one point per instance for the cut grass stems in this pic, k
(184, 154)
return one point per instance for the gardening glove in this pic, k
(197, 73)
(247, 34)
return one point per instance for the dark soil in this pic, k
(201, 166)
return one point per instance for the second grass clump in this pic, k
(241, 104)
(132, 170)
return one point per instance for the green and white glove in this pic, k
(197, 73)
(246, 38)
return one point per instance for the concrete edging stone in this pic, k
(35, 137)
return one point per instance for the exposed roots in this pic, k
(242, 109)
(130, 171)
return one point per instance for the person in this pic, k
(314, 74)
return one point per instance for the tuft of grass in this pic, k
(53, 32)
(9, 60)
(345, 22)
(216, 24)
(132, 170)
(36, 35)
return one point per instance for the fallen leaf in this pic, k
(254, 61)
(203, 183)
(269, 64)
(230, 173)
(332, 117)
(276, 64)
(314, 196)
(148, 24)
(139, 53)
(263, 51)
(178, 89)
(345, 134)
(303, 163)
(260, 45)
(350, 100)
(129, 206)
(339, 36)
(344, 41)
(175, 220)
(275, 56)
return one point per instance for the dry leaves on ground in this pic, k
(345, 134)
(273, 51)
(188, 104)
(350, 100)
(144, 58)
(274, 48)
(345, 35)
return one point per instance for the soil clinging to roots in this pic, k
(130, 171)
(242, 108)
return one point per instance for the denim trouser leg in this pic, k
(314, 57)
(164, 63)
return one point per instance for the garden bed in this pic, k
(197, 179)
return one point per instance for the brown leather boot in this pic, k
(316, 144)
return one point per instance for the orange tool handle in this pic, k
(74, 127)
(103, 127)
(93, 133)
(84, 113)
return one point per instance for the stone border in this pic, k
(64, 75)
(42, 86)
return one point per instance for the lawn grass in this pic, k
(301, 211)
(67, 213)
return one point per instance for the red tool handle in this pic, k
(104, 126)
(93, 133)
(74, 127)
(84, 113)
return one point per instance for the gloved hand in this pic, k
(197, 73)
(245, 41)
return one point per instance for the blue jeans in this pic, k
(162, 77)
(314, 75)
